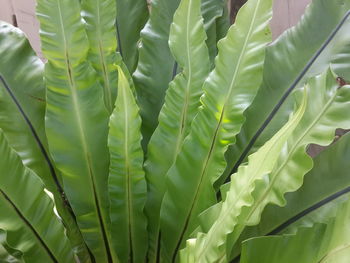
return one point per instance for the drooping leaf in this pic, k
(127, 185)
(131, 18)
(76, 121)
(27, 212)
(187, 44)
(323, 243)
(22, 115)
(228, 91)
(243, 205)
(211, 247)
(289, 63)
(99, 16)
(327, 181)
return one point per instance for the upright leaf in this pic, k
(323, 243)
(127, 185)
(27, 212)
(187, 43)
(22, 115)
(101, 31)
(214, 11)
(156, 65)
(131, 18)
(76, 120)
(211, 247)
(289, 63)
(250, 192)
(228, 91)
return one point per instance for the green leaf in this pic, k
(323, 243)
(211, 247)
(215, 12)
(131, 18)
(289, 62)
(8, 254)
(327, 181)
(243, 205)
(99, 16)
(228, 91)
(156, 66)
(127, 185)
(76, 121)
(187, 43)
(27, 212)
(22, 115)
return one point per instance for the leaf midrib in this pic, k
(291, 153)
(30, 226)
(128, 176)
(80, 125)
(208, 158)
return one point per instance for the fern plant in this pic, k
(162, 134)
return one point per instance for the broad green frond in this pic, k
(127, 184)
(228, 91)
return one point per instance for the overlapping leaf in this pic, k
(27, 212)
(228, 91)
(127, 184)
(187, 43)
(76, 121)
(22, 114)
(99, 16)
(131, 18)
(289, 62)
(322, 243)
(327, 182)
(211, 247)
(243, 205)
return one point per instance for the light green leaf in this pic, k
(323, 243)
(187, 43)
(27, 212)
(289, 62)
(22, 115)
(99, 16)
(211, 247)
(131, 18)
(127, 185)
(228, 91)
(327, 181)
(76, 121)
(324, 113)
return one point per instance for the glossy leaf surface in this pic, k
(27, 213)
(228, 91)
(76, 121)
(127, 184)
(187, 43)
(99, 16)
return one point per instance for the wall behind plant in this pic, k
(21, 13)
